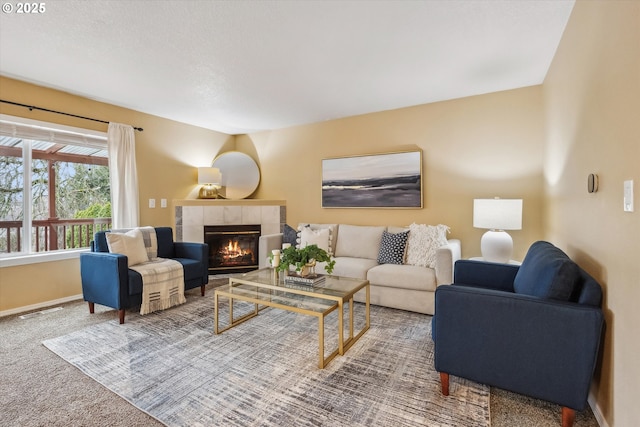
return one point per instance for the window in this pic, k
(54, 186)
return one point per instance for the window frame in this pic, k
(30, 129)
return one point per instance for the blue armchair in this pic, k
(533, 329)
(107, 280)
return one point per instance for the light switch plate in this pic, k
(628, 196)
(152, 203)
(163, 203)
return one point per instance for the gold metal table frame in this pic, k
(264, 288)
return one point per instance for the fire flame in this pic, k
(233, 250)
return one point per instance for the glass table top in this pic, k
(332, 287)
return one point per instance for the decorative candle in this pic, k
(276, 258)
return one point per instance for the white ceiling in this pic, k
(243, 66)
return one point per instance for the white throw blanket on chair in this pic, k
(162, 278)
(162, 284)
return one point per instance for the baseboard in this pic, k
(32, 307)
(597, 413)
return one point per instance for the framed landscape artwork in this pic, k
(392, 180)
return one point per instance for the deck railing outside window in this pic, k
(52, 234)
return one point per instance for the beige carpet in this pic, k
(38, 388)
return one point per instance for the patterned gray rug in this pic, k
(264, 372)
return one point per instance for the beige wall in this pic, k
(538, 143)
(24, 285)
(592, 97)
(477, 147)
(167, 153)
(483, 146)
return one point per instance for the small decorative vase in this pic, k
(309, 269)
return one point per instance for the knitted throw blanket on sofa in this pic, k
(162, 284)
(162, 279)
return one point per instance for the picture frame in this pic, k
(389, 180)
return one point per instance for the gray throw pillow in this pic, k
(289, 235)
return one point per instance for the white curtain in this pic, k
(123, 176)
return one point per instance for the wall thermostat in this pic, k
(592, 183)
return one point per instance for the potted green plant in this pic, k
(304, 259)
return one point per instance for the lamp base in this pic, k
(496, 246)
(208, 192)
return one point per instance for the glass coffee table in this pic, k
(264, 288)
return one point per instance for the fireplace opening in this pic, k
(232, 248)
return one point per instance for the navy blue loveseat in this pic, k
(107, 280)
(533, 329)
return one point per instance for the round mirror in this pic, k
(240, 174)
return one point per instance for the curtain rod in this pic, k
(31, 108)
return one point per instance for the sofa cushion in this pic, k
(130, 244)
(166, 249)
(99, 243)
(333, 231)
(320, 238)
(403, 277)
(424, 241)
(587, 290)
(357, 241)
(392, 247)
(353, 267)
(546, 272)
(192, 268)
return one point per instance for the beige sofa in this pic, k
(356, 249)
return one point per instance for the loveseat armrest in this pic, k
(266, 244)
(542, 348)
(197, 251)
(105, 278)
(446, 257)
(484, 274)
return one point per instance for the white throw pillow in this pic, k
(130, 244)
(333, 230)
(424, 241)
(320, 237)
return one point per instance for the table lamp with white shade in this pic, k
(497, 215)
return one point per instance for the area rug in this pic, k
(264, 372)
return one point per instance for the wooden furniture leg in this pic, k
(568, 416)
(91, 307)
(444, 382)
(121, 315)
(202, 290)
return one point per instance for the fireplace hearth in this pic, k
(232, 248)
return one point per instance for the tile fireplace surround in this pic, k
(191, 215)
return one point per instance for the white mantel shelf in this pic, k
(190, 216)
(228, 202)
